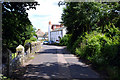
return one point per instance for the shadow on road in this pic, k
(49, 71)
(54, 51)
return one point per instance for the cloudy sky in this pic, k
(47, 11)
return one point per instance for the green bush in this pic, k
(64, 40)
(70, 43)
(113, 72)
(101, 49)
(30, 40)
(33, 39)
(98, 48)
(27, 41)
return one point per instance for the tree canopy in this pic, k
(88, 16)
(16, 26)
(94, 34)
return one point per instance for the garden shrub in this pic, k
(64, 40)
(30, 40)
(102, 49)
(27, 41)
(33, 39)
(70, 43)
(98, 48)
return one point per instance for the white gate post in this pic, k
(20, 52)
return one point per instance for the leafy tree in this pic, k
(95, 33)
(65, 39)
(16, 26)
(88, 16)
(79, 18)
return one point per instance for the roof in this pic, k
(58, 29)
(57, 26)
(39, 33)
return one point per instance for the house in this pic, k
(39, 34)
(55, 32)
(55, 26)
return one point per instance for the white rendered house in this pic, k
(55, 32)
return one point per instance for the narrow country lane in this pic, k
(53, 62)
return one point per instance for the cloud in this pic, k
(47, 11)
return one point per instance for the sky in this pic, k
(48, 10)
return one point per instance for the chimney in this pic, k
(49, 26)
(49, 22)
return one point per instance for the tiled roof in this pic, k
(55, 26)
(39, 33)
(58, 29)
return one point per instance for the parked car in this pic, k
(45, 42)
(51, 42)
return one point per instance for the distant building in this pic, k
(45, 36)
(55, 32)
(39, 34)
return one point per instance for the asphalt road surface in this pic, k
(54, 62)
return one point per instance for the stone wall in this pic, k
(22, 55)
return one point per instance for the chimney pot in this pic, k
(49, 22)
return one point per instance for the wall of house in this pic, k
(55, 35)
(64, 31)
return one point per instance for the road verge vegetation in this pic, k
(94, 30)
(100, 49)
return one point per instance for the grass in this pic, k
(14, 55)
